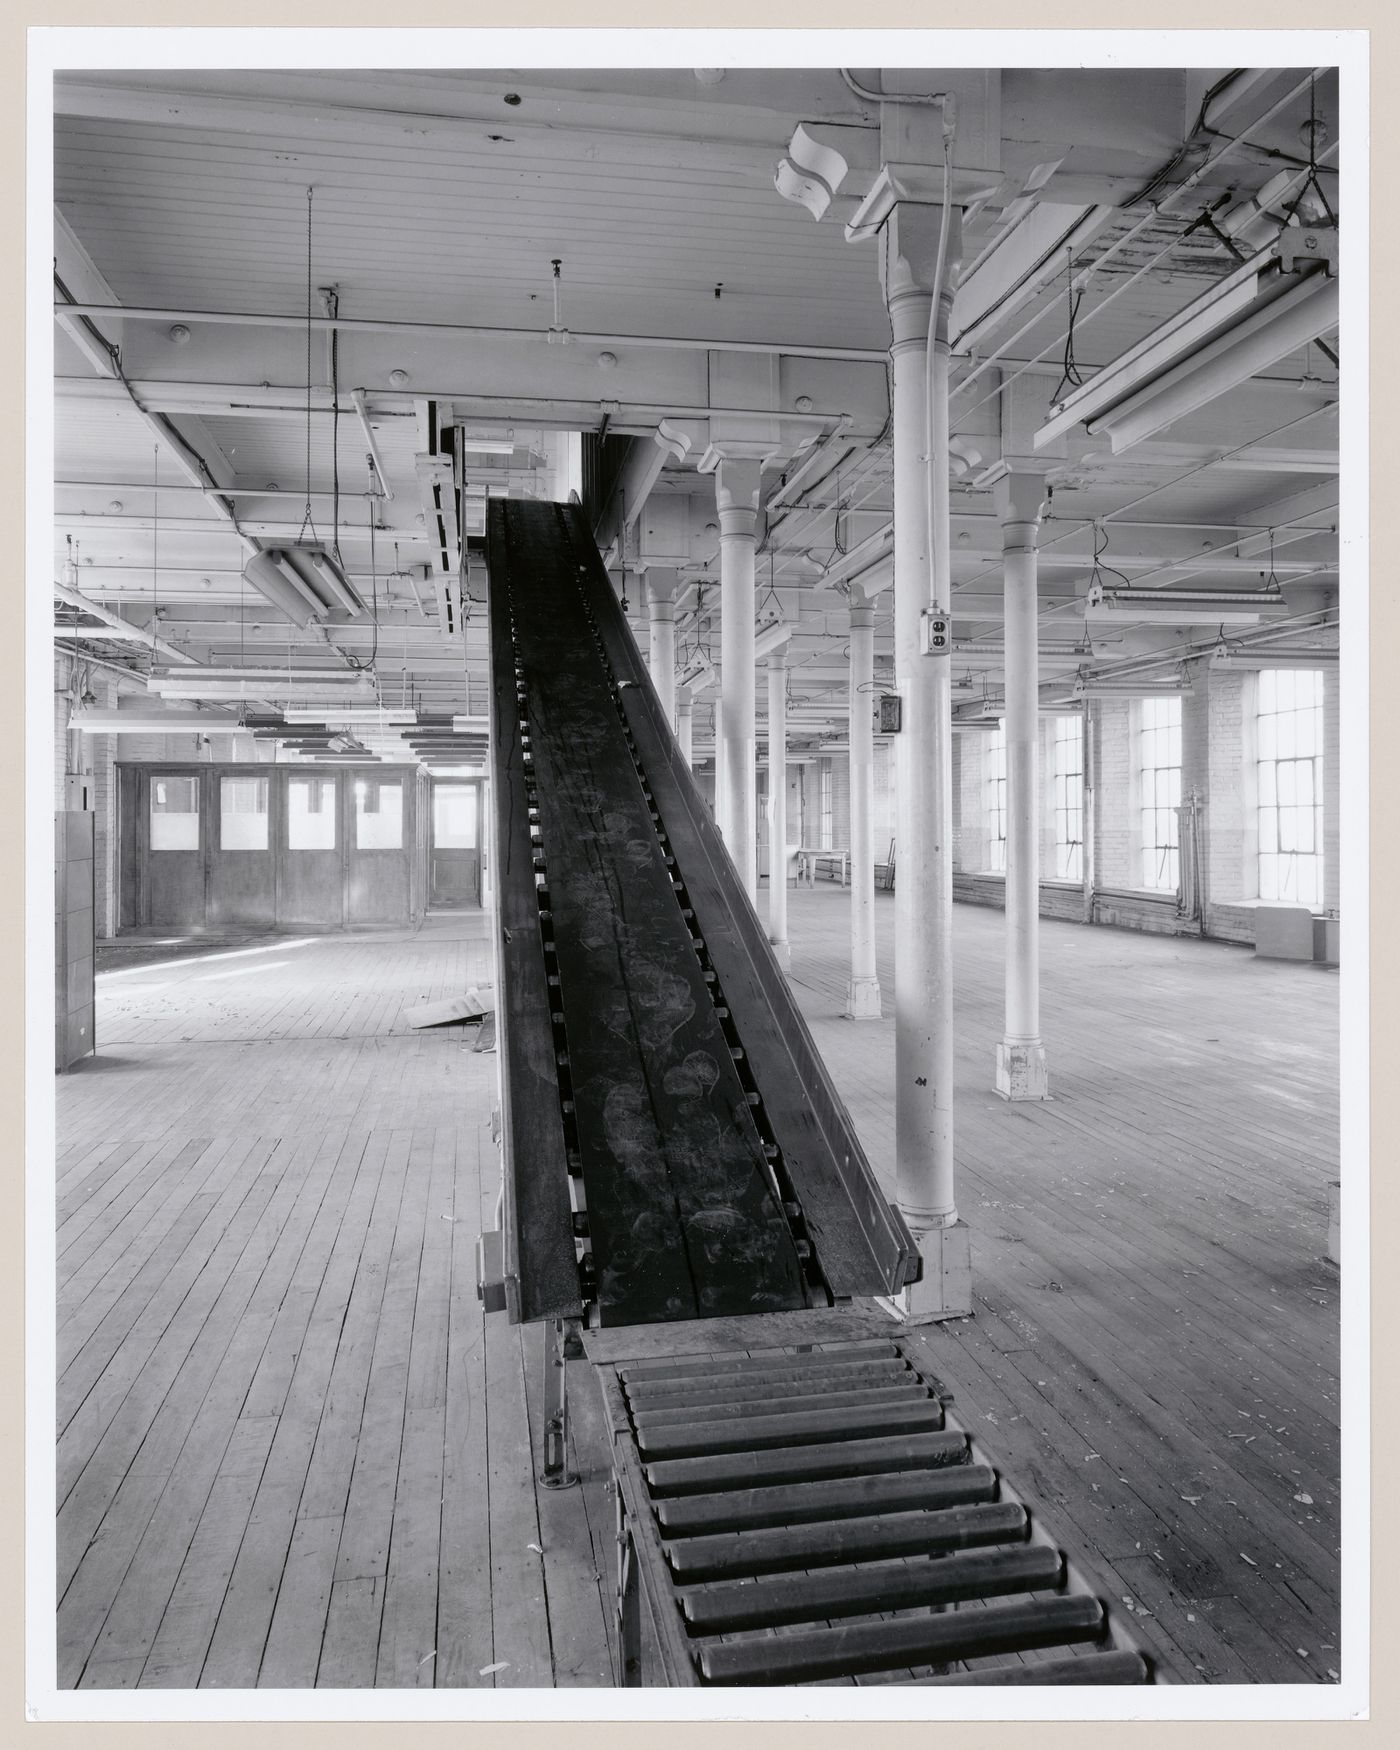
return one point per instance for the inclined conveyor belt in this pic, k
(674, 1147)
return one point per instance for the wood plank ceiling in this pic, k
(443, 197)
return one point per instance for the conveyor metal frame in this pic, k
(861, 1242)
(644, 1576)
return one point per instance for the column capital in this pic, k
(1020, 495)
(862, 613)
(776, 658)
(917, 186)
(909, 267)
(662, 582)
(737, 465)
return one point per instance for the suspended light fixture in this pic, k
(304, 580)
(1257, 315)
(1260, 657)
(259, 683)
(390, 717)
(93, 721)
(697, 674)
(1186, 607)
(1109, 688)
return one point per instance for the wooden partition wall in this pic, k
(271, 847)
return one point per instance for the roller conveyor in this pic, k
(874, 1542)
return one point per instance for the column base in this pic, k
(945, 1289)
(1021, 1071)
(863, 999)
(782, 953)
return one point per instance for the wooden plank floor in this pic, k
(292, 1451)
(1154, 1351)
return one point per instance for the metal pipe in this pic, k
(1020, 1058)
(377, 325)
(361, 408)
(777, 807)
(737, 499)
(76, 599)
(863, 992)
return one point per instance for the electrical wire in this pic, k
(1096, 266)
(1070, 374)
(155, 556)
(307, 521)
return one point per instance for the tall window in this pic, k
(824, 806)
(1068, 778)
(1290, 785)
(1159, 791)
(995, 803)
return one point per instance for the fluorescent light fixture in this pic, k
(304, 581)
(993, 647)
(489, 446)
(333, 714)
(771, 636)
(108, 722)
(1131, 689)
(467, 725)
(259, 683)
(861, 557)
(697, 674)
(1186, 607)
(1261, 658)
(1248, 321)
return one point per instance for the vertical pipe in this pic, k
(738, 526)
(1020, 1066)
(777, 807)
(685, 709)
(863, 993)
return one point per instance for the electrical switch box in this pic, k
(889, 714)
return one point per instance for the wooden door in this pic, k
(311, 873)
(242, 857)
(379, 836)
(454, 851)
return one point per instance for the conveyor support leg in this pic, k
(561, 1340)
(629, 1600)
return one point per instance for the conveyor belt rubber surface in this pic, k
(817, 1514)
(682, 1210)
(667, 1117)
